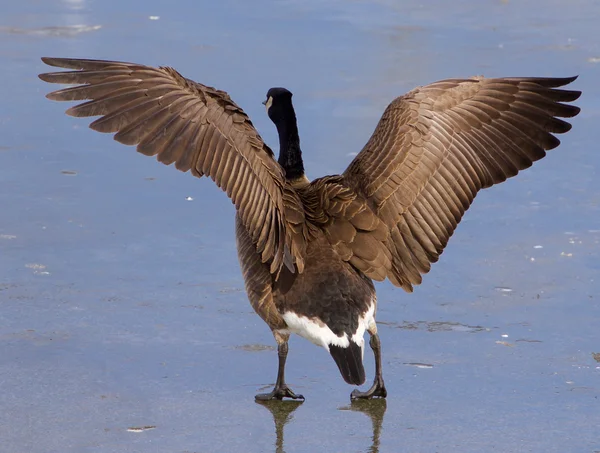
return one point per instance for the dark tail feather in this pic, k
(349, 361)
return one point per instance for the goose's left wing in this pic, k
(198, 128)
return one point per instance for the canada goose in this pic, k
(309, 250)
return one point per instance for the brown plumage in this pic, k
(308, 250)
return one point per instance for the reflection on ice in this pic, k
(282, 415)
(375, 410)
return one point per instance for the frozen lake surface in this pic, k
(124, 326)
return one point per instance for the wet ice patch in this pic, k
(67, 30)
(419, 365)
(436, 326)
(503, 289)
(38, 269)
(230, 289)
(140, 429)
(255, 347)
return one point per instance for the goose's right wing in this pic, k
(198, 128)
(434, 149)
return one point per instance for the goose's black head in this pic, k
(279, 105)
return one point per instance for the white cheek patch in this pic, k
(269, 103)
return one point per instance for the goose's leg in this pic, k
(378, 387)
(281, 389)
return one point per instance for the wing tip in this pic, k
(574, 95)
(55, 61)
(575, 110)
(64, 63)
(80, 64)
(70, 111)
(53, 96)
(567, 80)
(552, 82)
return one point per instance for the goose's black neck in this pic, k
(290, 154)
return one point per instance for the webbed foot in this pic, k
(278, 393)
(377, 390)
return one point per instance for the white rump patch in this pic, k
(319, 333)
(314, 331)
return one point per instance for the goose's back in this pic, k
(329, 289)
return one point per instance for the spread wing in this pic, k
(198, 128)
(434, 149)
